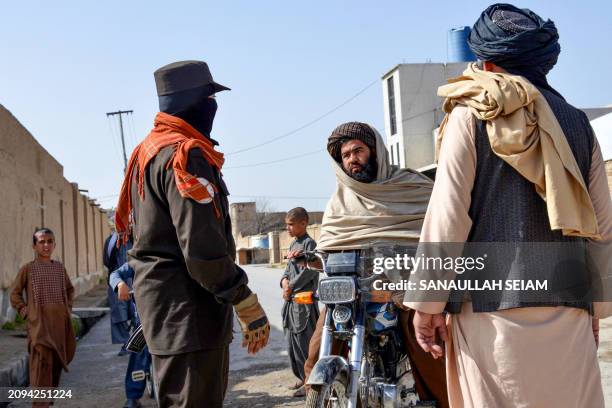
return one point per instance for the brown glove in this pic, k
(398, 300)
(254, 323)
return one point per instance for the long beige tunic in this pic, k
(527, 357)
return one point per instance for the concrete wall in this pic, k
(282, 241)
(244, 217)
(36, 194)
(418, 109)
(279, 242)
(253, 256)
(246, 220)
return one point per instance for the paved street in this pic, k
(96, 374)
(262, 380)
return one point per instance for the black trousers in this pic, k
(195, 379)
(297, 343)
(297, 348)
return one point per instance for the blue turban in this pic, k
(517, 40)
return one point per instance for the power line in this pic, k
(381, 131)
(298, 156)
(304, 126)
(419, 114)
(112, 133)
(133, 130)
(121, 113)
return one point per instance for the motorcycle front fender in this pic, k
(328, 369)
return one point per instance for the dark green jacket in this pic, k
(186, 279)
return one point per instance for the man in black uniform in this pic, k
(186, 280)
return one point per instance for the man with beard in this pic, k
(518, 165)
(358, 160)
(388, 205)
(186, 281)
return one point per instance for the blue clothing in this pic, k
(120, 315)
(121, 312)
(120, 332)
(124, 273)
(135, 376)
(140, 363)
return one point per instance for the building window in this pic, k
(391, 93)
(391, 158)
(397, 152)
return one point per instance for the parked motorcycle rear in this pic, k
(370, 368)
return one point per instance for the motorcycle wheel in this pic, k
(326, 396)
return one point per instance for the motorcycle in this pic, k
(376, 371)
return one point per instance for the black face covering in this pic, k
(193, 106)
(201, 115)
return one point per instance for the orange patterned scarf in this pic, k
(168, 130)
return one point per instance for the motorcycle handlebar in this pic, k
(309, 256)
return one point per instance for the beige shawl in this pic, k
(389, 210)
(524, 132)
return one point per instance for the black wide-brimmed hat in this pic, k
(184, 75)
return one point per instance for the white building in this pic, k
(603, 130)
(413, 110)
(602, 126)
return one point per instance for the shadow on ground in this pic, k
(261, 380)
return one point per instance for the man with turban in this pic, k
(376, 205)
(187, 285)
(517, 164)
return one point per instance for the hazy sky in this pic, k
(65, 64)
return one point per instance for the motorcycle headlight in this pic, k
(337, 290)
(341, 314)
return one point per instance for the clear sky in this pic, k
(64, 64)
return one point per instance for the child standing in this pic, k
(49, 294)
(299, 321)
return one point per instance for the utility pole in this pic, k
(121, 113)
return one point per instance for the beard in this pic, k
(367, 174)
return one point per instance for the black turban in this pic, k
(517, 40)
(349, 131)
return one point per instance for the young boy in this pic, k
(49, 294)
(299, 321)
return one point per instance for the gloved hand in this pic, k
(254, 323)
(398, 300)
